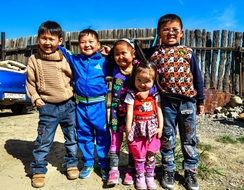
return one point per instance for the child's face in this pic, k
(48, 43)
(144, 79)
(88, 45)
(170, 33)
(123, 55)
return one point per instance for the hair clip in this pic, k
(136, 62)
(129, 41)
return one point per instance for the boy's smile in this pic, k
(88, 45)
(170, 33)
(48, 43)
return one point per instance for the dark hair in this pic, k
(167, 18)
(126, 41)
(86, 32)
(50, 26)
(140, 64)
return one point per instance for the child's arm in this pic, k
(129, 100)
(160, 120)
(67, 54)
(105, 50)
(129, 118)
(197, 80)
(31, 87)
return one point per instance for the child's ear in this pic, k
(133, 53)
(99, 45)
(159, 40)
(181, 33)
(60, 41)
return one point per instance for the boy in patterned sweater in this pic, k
(181, 87)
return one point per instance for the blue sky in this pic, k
(21, 18)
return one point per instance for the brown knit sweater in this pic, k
(49, 77)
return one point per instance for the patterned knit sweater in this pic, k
(176, 76)
(49, 77)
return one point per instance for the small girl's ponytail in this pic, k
(140, 63)
(139, 53)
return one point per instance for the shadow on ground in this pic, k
(9, 114)
(22, 150)
(231, 121)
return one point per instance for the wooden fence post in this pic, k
(222, 61)
(207, 61)
(213, 83)
(238, 37)
(3, 53)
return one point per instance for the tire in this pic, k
(18, 109)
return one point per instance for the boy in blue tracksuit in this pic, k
(89, 71)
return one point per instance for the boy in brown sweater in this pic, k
(49, 85)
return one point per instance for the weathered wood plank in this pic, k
(213, 83)
(222, 61)
(227, 82)
(207, 61)
(238, 37)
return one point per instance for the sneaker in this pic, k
(151, 185)
(113, 177)
(104, 174)
(86, 172)
(128, 180)
(191, 180)
(38, 180)
(168, 180)
(72, 173)
(140, 181)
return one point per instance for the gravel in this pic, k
(219, 127)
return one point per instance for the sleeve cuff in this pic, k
(34, 98)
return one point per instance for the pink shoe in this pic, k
(151, 185)
(128, 180)
(140, 182)
(113, 177)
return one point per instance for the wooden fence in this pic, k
(220, 53)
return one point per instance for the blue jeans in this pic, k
(50, 116)
(181, 113)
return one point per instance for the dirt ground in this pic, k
(17, 134)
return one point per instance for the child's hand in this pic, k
(200, 109)
(39, 103)
(142, 95)
(105, 50)
(127, 134)
(159, 133)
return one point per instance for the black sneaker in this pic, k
(104, 174)
(168, 180)
(191, 180)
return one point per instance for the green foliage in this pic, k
(178, 156)
(205, 171)
(231, 140)
(204, 147)
(241, 140)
